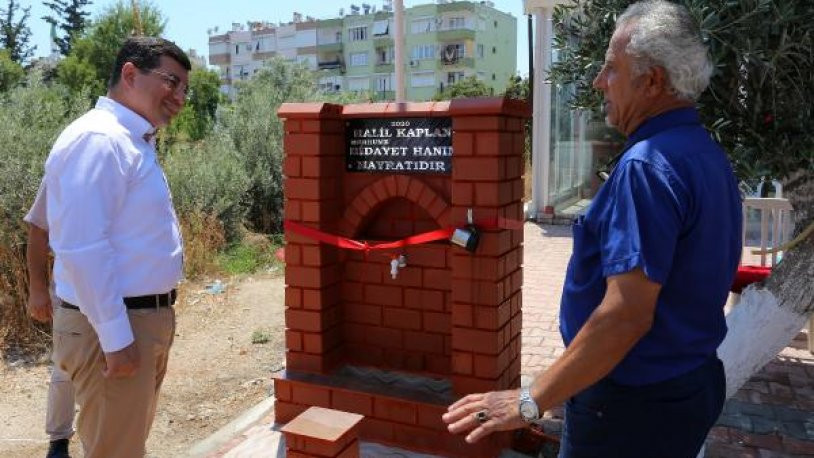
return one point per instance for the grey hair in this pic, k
(664, 34)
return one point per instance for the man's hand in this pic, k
(39, 305)
(122, 363)
(501, 413)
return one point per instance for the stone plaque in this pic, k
(399, 145)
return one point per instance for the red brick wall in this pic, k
(449, 313)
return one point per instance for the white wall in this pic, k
(328, 36)
(306, 38)
(219, 48)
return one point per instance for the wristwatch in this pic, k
(529, 411)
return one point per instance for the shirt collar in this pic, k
(662, 122)
(132, 121)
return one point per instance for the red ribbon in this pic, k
(418, 239)
(350, 244)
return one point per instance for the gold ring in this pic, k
(482, 416)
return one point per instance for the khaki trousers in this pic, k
(60, 411)
(115, 415)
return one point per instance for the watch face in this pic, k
(527, 410)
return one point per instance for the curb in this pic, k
(220, 437)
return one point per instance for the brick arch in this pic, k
(376, 193)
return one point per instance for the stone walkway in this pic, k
(771, 416)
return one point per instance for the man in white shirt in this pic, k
(59, 412)
(117, 248)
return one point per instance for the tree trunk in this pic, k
(770, 315)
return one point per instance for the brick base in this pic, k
(391, 418)
(323, 433)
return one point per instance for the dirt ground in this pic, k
(215, 371)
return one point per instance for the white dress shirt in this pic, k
(113, 229)
(36, 214)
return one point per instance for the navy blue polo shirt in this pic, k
(672, 208)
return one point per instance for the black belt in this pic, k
(150, 301)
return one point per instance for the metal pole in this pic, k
(531, 61)
(541, 147)
(398, 40)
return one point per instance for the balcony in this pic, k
(329, 47)
(384, 67)
(382, 41)
(446, 35)
(468, 62)
(331, 65)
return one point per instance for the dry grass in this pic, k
(19, 334)
(204, 238)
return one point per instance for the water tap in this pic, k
(394, 268)
(396, 263)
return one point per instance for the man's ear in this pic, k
(656, 81)
(128, 74)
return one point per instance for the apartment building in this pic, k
(445, 42)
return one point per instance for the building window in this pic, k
(357, 33)
(237, 49)
(454, 77)
(381, 28)
(358, 59)
(456, 23)
(422, 26)
(495, 24)
(480, 51)
(359, 84)
(249, 47)
(494, 50)
(383, 83)
(339, 36)
(384, 55)
(422, 79)
(330, 84)
(453, 52)
(423, 52)
(493, 77)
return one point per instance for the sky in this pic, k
(188, 20)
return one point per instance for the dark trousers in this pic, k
(668, 419)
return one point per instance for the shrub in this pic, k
(209, 178)
(31, 117)
(257, 133)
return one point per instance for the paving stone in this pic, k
(754, 409)
(738, 421)
(762, 425)
(795, 430)
(789, 414)
(767, 441)
(723, 450)
(801, 447)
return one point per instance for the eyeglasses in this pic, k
(172, 81)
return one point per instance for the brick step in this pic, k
(400, 417)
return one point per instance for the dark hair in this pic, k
(145, 53)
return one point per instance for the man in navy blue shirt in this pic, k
(653, 259)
